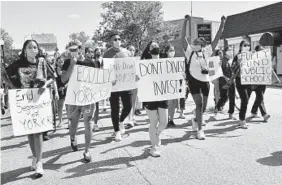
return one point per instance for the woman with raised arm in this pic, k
(197, 72)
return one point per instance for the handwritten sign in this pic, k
(215, 70)
(30, 112)
(161, 79)
(88, 85)
(256, 67)
(125, 72)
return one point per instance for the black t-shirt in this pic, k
(23, 74)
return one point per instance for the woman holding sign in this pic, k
(197, 72)
(243, 90)
(32, 72)
(157, 111)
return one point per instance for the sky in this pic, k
(65, 17)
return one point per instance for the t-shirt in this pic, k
(112, 53)
(24, 74)
(198, 62)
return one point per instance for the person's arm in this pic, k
(5, 76)
(218, 34)
(67, 73)
(183, 34)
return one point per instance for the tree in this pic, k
(81, 36)
(8, 42)
(138, 22)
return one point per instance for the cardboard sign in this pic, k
(125, 72)
(256, 67)
(161, 79)
(30, 112)
(88, 85)
(215, 70)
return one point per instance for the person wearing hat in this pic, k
(74, 111)
(197, 72)
(116, 51)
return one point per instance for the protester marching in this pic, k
(82, 80)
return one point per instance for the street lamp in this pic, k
(2, 46)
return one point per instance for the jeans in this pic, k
(244, 93)
(259, 102)
(158, 122)
(224, 95)
(126, 99)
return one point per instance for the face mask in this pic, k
(246, 48)
(196, 47)
(155, 51)
(31, 53)
(74, 54)
(117, 44)
(171, 54)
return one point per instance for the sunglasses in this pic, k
(116, 39)
(246, 45)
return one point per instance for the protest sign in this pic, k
(256, 67)
(30, 112)
(161, 79)
(88, 85)
(125, 72)
(215, 70)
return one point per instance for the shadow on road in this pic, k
(19, 145)
(274, 160)
(104, 166)
(13, 175)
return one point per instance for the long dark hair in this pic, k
(242, 43)
(166, 50)
(23, 53)
(146, 53)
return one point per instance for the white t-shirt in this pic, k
(198, 62)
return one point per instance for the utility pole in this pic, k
(190, 24)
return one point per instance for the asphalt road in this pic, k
(227, 156)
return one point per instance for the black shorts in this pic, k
(197, 87)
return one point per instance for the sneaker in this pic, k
(243, 125)
(118, 136)
(95, 128)
(155, 153)
(87, 157)
(194, 125)
(201, 135)
(3, 111)
(181, 116)
(33, 164)
(121, 128)
(74, 144)
(232, 117)
(39, 170)
(254, 115)
(204, 123)
(266, 117)
(171, 123)
(129, 125)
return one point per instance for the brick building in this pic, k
(262, 25)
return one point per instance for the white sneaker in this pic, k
(243, 125)
(194, 125)
(201, 135)
(39, 169)
(254, 116)
(121, 128)
(33, 164)
(118, 136)
(266, 117)
(95, 128)
(155, 153)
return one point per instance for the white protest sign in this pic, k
(88, 85)
(125, 72)
(30, 112)
(256, 67)
(215, 70)
(161, 79)
(1, 91)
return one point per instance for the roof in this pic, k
(44, 38)
(264, 19)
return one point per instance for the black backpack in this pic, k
(187, 67)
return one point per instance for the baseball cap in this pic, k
(74, 44)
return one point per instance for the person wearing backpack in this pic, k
(197, 72)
